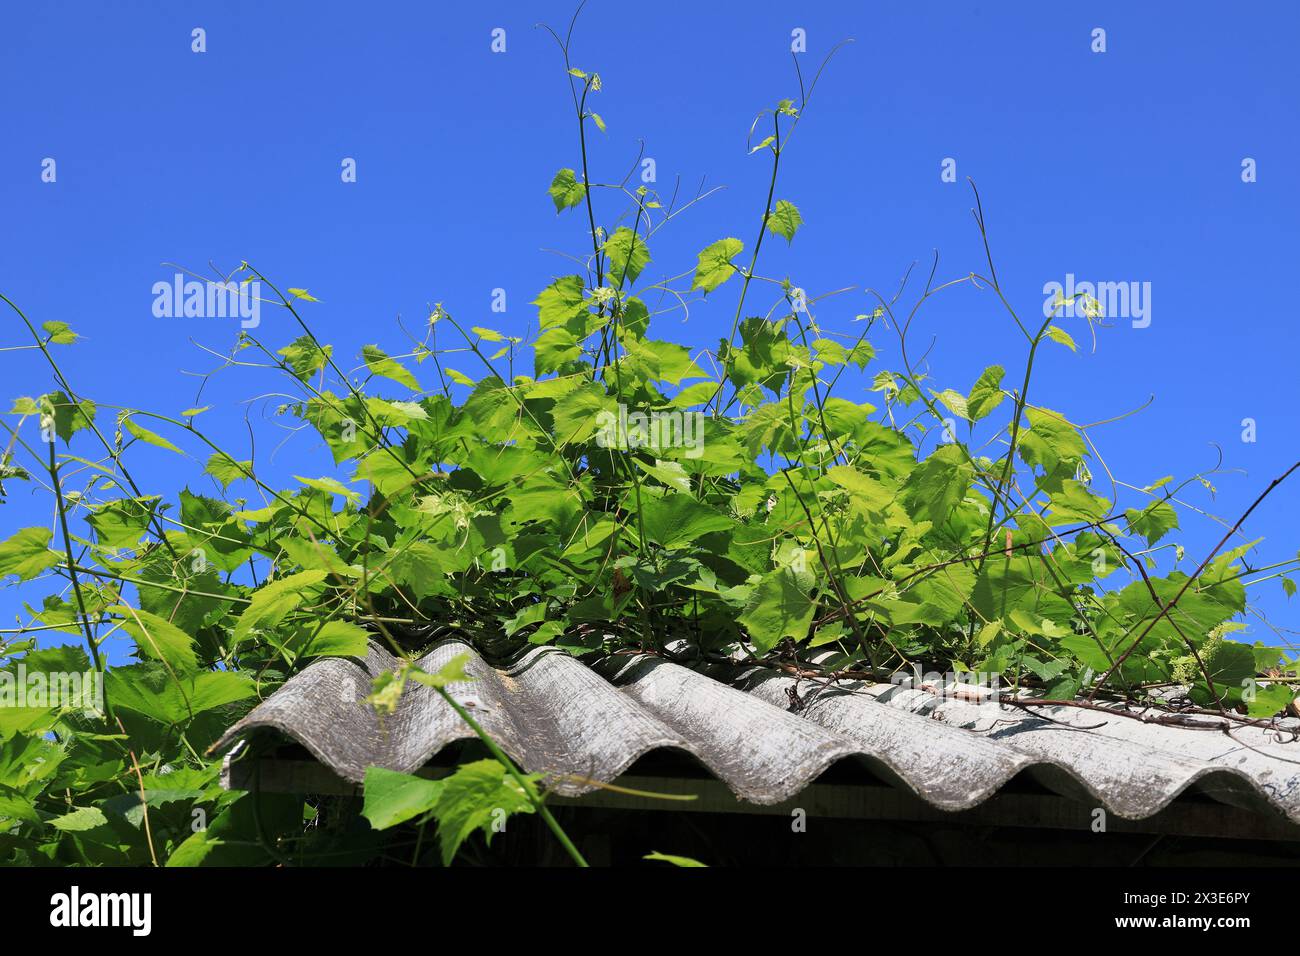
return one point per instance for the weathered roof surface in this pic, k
(583, 725)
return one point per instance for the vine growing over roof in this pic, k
(598, 489)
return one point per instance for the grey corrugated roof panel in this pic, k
(1134, 769)
(583, 725)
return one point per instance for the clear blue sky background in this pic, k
(1117, 166)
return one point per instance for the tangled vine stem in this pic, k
(1165, 609)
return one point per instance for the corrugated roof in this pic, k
(580, 724)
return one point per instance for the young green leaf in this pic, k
(1057, 334)
(331, 486)
(378, 362)
(986, 394)
(954, 401)
(451, 672)
(69, 417)
(714, 266)
(305, 357)
(628, 254)
(27, 554)
(565, 190)
(1154, 521)
(142, 433)
(25, 406)
(226, 469)
(785, 220)
(60, 333)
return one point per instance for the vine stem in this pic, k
(753, 263)
(382, 441)
(1151, 589)
(114, 454)
(72, 569)
(1021, 401)
(144, 799)
(586, 182)
(1164, 611)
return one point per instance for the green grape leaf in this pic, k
(714, 266)
(986, 394)
(337, 639)
(1270, 700)
(27, 554)
(475, 797)
(954, 401)
(331, 486)
(1154, 521)
(784, 220)
(60, 333)
(79, 820)
(565, 190)
(937, 486)
(779, 607)
(628, 255)
(676, 520)
(561, 302)
(272, 602)
(305, 357)
(69, 417)
(226, 469)
(392, 798)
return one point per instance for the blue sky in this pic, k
(1115, 166)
